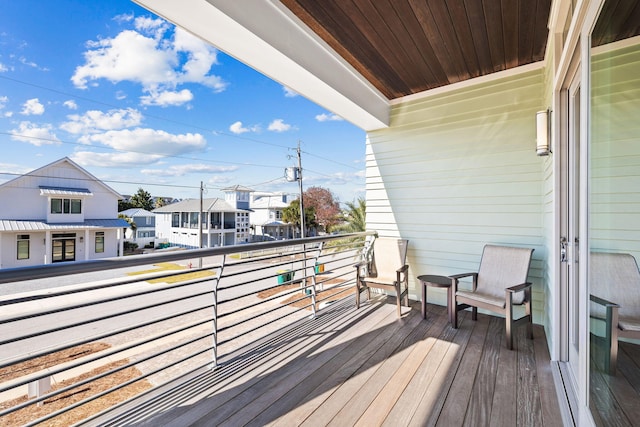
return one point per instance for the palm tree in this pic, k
(355, 217)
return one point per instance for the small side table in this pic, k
(436, 282)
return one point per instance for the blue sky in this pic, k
(139, 103)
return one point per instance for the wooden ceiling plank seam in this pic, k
(423, 46)
(423, 13)
(355, 48)
(405, 43)
(458, 13)
(541, 30)
(526, 10)
(393, 48)
(389, 80)
(599, 35)
(494, 18)
(632, 24)
(444, 25)
(510, 32)
(478, 25)
(321, 30)
(381, 51)
(618, 19)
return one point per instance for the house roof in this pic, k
(269, 202)
(193, 205)
(40, 172)
(238, 188)
(134, 212)
(64, 191)
(35, 225)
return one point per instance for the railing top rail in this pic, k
(9, 275)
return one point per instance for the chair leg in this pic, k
(474, 313)
(399, 299)
(508, 319)
(530, 322)
(358, 290)
(454, 315)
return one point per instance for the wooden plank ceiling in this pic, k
(408, 46)
(618, 20)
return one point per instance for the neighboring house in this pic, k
(145, 226)
(239, 197)
(449, 94)
(178, 224)
(266, 216)
(59, 212)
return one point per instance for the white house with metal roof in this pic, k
(145, 226)
(59, 212)
(178, 224)
(266, 216)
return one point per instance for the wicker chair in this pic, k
(387, 270)
(615, 289)
(500, 283)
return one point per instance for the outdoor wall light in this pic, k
(543, 147)
(81, 239)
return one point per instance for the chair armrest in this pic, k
(361, 264)
(454, 281)
(403, 269)
(602, 301)
(520, 287)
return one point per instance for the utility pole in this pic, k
(300, 185)
(201, 221)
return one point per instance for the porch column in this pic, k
(86, 244)
(47, 247)
(119, 234)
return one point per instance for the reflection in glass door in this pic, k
(614, 216)
(63, 247)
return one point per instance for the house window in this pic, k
(65, 206)
(23, 246)
(99, 242)
(278, 215)
(175, 219)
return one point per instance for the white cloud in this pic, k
(3, 104)
(237, 128)
(324, 117)
(143, 140)
(289, 93)
(154, 57)
(219, 179)
(94, 121)
(70, 104)
(278, 125)
(3, 68)
(34, 134)
(123, 18)
(113, 160)
(32, 107)
(167, 98)
(181, 170)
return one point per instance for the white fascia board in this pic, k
(269, 38)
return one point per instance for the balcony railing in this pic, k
(122, 325)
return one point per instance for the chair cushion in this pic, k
(483, 297)
(627, 324)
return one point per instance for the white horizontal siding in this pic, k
(457, 171)
(615, 152)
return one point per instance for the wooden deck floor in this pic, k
(366, 367)
(614, 398)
